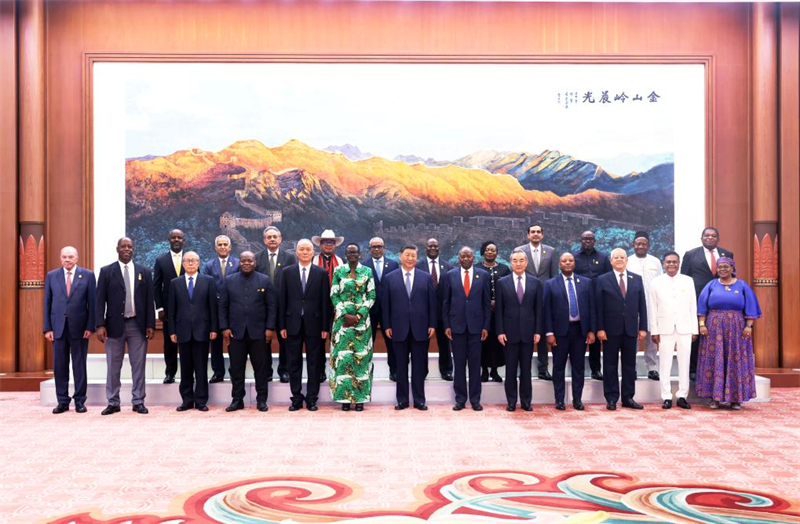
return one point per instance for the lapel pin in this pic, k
(80, 276)
(140, 276)
(578, 280)
(279, 264)
(477, 276)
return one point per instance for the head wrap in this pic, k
(729, 261)
(641, 234)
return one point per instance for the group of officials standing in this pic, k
(567, 304)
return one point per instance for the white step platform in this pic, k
(383, 390)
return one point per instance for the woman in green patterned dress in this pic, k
(352, 294)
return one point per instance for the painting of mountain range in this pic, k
(303, 190)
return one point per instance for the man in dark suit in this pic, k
(700, 264)
(569, 325)
(591, 263)
(432, 264)
(304, 318)
(218, 268)
(69, 294)
(409, 317)
(621, 323)
(380, 266)
(271, 262)
(193, 322)
(125, 315)
(543, 264)
(467, 316)
(518, 318)
(248, 309)
(168, 266)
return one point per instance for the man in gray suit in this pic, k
(543, 264)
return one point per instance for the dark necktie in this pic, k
(622, 284)
(303, 280)
(272, 266)
(573, 299)
(434, 275)
(520, 292)
(191, 287)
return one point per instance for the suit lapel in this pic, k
(117, 272)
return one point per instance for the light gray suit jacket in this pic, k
(548, 262)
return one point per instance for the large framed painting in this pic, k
(402, 149)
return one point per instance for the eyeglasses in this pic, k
(376, 247)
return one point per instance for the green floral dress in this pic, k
(351, 347)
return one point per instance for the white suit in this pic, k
(672, 314)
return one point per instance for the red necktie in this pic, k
(713, 263)
(69, 282)
(622, 285)
(466, 282)
(434, 275)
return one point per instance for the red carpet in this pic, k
(385, 466)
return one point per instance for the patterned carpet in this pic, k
(385, 466)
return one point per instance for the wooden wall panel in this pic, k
(560, 31)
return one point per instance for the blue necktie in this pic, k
(520, 292)
(408, 284)
(303, 280)
(573, 299)
(191, 287)
(378, 269)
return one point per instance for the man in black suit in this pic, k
(168, 266)
(305, 317)
(467, 316)
(621, 323)
(248, 308)
(591, 263)
(69, 309)
(125, 315)
(192, 310)
(432, 264)
(518, 320)
(380, 266)
(700, 264)
(569, 325)
(409, 317)
(218, 268)
(271, 262)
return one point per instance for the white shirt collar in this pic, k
(194, 277)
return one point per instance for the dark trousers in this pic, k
(294, 354)
(418, 351)
(65, 348)
(613, 348)
(467, 353)
(258, 352)
(518, 357)
(594, 357)
(374, 320)
(283, 366)
(194, 372)
(542, 358)
(693, 358)
(217, 356)
(170, 353)
(572, 347)
(443, 343)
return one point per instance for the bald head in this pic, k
(619, 259)
(69, 257)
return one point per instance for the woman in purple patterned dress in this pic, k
(727, 308)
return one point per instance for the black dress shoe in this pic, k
(527, 407)
(262, 406)
(511, 407)
(611, 406)
(597, 375)
(681, 404)
(458, 407)
(184, 407)
(109, 410)
(495, 376)
(359, 407)
(578, 405)
(201, 407)
(61, 408)
(236, 405)
(653, 375)
(421, 407)
(139, 408)
(485, 375)
(392, 376)
(169, 379)
(80, 408)
(545, 376)
(447, 376)
(345, 406)
(322, 378)
(312, 406)
(269, 378)
(477, 407)
(398, 407)
(284, 378)
(214, 379)
(560, 406)
(295, 407)
(667, 404)
(632, 404)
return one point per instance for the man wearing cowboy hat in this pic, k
(329, 261)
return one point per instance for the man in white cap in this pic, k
(329, 261)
